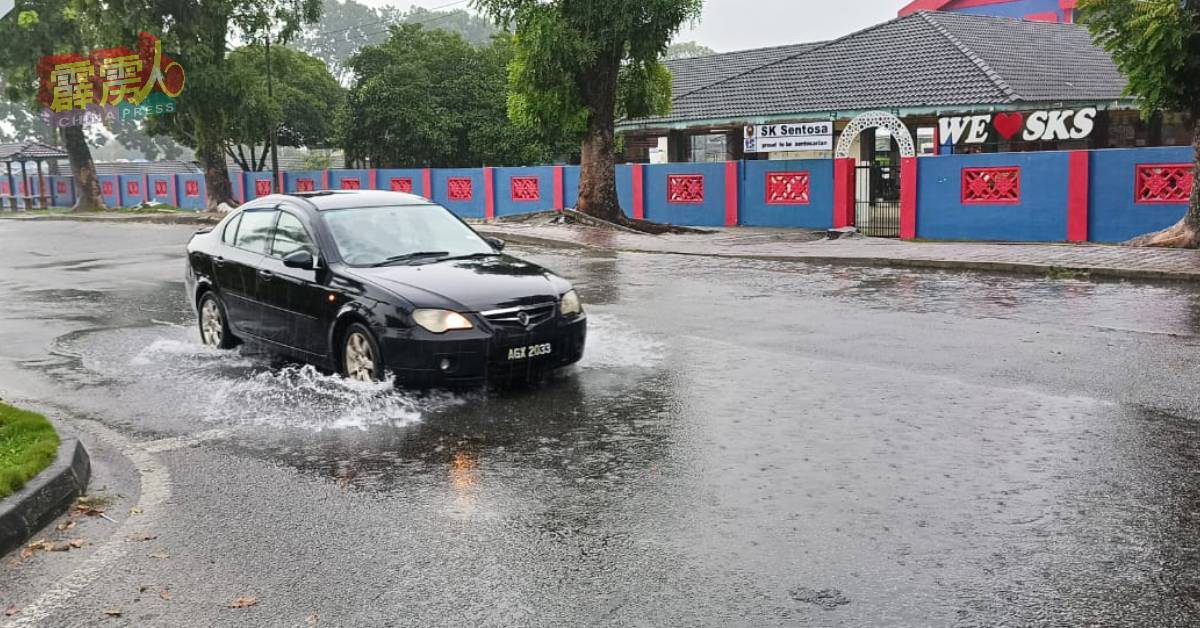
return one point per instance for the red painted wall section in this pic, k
(639, 192)
(325, 180)
(489, 191)
(908, 198)
(1077, 196)
(731, 194)
(558, 189)
(843, 193)
(427, 183)
(373, 177)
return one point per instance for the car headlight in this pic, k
(570, 305)
(441, 321)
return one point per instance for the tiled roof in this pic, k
(30, 151)
(166, 166)
(688, 75)
(922, 60)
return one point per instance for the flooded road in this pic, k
(744, 444)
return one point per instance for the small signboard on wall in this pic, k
(791, 137)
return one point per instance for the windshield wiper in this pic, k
(470, 256)
(410, 256)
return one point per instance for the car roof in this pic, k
(326, 200)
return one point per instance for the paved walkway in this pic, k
(797, 245)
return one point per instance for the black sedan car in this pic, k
(369, 283)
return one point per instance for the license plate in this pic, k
(532, 351)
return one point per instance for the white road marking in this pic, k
(155, 493)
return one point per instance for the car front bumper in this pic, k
(477, 356)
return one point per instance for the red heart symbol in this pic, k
(1008, 124)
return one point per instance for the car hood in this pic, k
(471, 284)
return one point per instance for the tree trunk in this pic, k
(216, 172)
(1185, 234)
(598, 176)
(87, 184)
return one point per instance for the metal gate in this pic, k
(877, 209)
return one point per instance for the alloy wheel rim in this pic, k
(211, 325)
(360, 359)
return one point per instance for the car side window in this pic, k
(254, 234)
(291, 236)
(231, 228)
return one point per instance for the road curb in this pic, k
(46, 496)
(882, 261)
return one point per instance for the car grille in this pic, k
(524, 317)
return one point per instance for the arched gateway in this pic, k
(877, 179)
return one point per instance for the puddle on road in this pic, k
(161, 377)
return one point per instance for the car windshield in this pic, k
(369, 236)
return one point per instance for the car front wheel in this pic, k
(214, 326)
(361, 359)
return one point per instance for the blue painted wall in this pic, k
(624, 188)
(63, 190)
(756, 211)
(133, 190)
(384, 179)
(199, 200)
(290, 180)
(1041, 214)
(339, 178)
(249, 183)
(571, 186)
(473, 208)
(1114, 216)
(1016, 9)
(109, 190)
(710, 213)
(506, 206)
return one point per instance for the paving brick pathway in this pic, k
(791, 244)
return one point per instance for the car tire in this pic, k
(360, 358)
(214, 324)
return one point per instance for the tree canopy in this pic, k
(429, 98)
(579, 65)
(688, 50)
(1156, 45)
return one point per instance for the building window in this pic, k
(1163, 183)
(709, 148)
(987, 186)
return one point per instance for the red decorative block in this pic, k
(988, 186)
(788, 188)
(1163, 183)
(160, 188)
(685, 189)
(62, 187)
(526, 189)
(402, 184)
(306, 185)
(191, 188)
(262, 187)
(460, 188)
(351, 183)
(132, 188)
(106, 188)
(4, 188)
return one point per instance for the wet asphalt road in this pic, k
(745, 444)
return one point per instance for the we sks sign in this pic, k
(800, 136)
(1066, 124)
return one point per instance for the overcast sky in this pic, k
(740, 24)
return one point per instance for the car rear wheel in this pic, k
(361, 359)
(214, 326)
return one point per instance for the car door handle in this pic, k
(219, 261)
(266, 275)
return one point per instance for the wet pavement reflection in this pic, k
(745, 443)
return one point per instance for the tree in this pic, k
(579, 65)
(427, 98)
(688, 50)
(306, 99)
(41, 28)
(198, 34)
(1156, 44)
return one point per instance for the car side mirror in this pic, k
(300, 259)
(496, 243)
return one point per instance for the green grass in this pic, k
(28, 444)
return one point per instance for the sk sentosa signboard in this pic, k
(109, 85)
